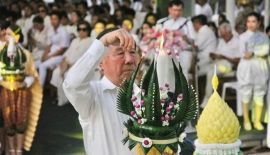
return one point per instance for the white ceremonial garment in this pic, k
(253, 74)
(77, 48)
(205, 10)
(95, 101)
(206, 42)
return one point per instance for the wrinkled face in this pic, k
(252, 23)
(224, 34)
(176, 11)
(99, 27)
(127, 24)
(82, 30)
(55, 21)
(118, 64)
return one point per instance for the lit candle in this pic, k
(164, 66)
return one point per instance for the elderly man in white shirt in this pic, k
(175, 21)
(226, 57)
(58, 43)
(95, 100)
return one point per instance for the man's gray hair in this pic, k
(226, 26)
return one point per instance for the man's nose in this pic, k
(129, 58)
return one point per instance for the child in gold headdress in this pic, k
(21, 95)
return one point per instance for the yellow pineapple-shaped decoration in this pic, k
(217, 124)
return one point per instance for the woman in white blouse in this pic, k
(78, 46)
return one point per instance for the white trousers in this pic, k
(48, 64)
(252, 76)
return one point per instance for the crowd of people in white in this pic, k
(59, 33)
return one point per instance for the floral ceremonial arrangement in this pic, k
(159, 112)
(173, 42)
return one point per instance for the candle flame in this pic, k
(161, 45)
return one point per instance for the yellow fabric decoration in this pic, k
(36, 102)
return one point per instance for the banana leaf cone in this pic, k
(157, 117)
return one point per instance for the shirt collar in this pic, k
(108, 85)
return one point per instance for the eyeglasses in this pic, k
(82, 29)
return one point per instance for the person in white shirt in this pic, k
(95, 100)
(203, 7)
(175, 22)
(226, 57)
(42, 12)
(77, 48)
(58, 43)
(205, 43)
(26, 23)
(253, 70)
(38, 39)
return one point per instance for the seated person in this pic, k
(226, 57)
(58, 43)
(77, 48)
(38, 39)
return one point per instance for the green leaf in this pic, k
(147, 78)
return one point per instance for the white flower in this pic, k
(163, 95)
(147, 142)
(165, 123)
(143, 120)
(182, 137)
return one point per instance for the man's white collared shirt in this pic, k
(95, 101)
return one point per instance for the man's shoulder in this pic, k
(162, 20)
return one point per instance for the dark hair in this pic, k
(176, 2)
(267, 29)
(56, 13)
(42, 6)
(83, 3)
(212, 24)
(63, 14)
(202, 19)
(106, 31)
(254, 14)
(106, 6)
(148, 15)
(38, 19)
(88, 27)
(4, 24)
